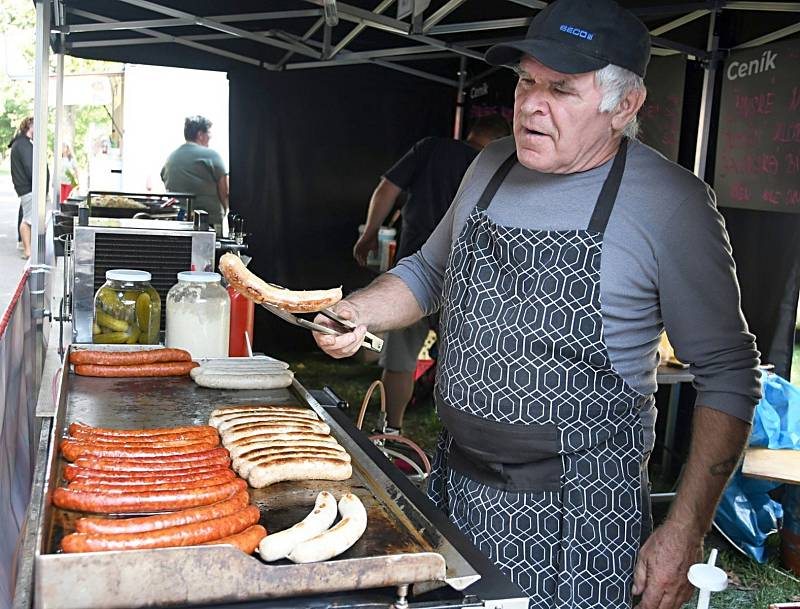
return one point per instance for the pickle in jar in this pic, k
(109, 301)
(112, 323)
(112, 338)
(148, 316)
(133, 334)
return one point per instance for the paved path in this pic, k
(11, 265)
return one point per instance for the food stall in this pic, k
(409, 554)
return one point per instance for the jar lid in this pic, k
(127, 275)
(199, 277)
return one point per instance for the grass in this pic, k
(751, 585)
(350, 380)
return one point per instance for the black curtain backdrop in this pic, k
(766, 248)
(307, 148)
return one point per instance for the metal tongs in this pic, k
(371, 342)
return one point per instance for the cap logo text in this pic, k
(576, 32)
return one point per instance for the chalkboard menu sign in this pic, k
(758, 143)
(660, 117)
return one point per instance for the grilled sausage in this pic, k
(184, 535)
(299, 468)
(166, 478)
(273, 408)
(145, 441)
(273, 425)
(162, 485)
(129, 358)
(247, 541)
(140, 370)
(237, 447)
(263, 430)
(251, 286)
(244, 464)
(151, 501)
(72, 449)
(337, 539)
(278, 545)
(115, 526)
(217, 457)
(73, 472)
(107, 441)
(237, 451)
(77, 428)
(225, 425)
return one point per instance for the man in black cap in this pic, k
(567, 251)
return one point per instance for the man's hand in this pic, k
(346, 344)
(664, 561)
(368, 242)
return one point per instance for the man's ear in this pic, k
(628, 108)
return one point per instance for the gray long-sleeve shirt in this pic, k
(666, 264)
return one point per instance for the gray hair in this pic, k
(616, 83)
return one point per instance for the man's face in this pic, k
(557, 125)
(203, 137)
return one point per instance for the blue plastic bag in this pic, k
(746, 514)
(777, 420)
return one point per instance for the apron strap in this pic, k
(605, 201)
(494, 184)
(608, 194)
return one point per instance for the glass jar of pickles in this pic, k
(127, 309)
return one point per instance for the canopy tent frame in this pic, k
(429, 31)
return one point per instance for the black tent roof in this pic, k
(293, 35)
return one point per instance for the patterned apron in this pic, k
(540, 460)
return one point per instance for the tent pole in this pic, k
(707, 100)
(38, 219)
(462, 80)
(57, 140)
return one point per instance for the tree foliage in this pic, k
(16, 95)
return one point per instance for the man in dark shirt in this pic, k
(22, 177)
(430, 174)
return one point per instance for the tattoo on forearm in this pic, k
(724, 468)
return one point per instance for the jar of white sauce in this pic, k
(198, 315)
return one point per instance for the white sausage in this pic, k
(265, 430)
(278, 545)
(239, 447)
(275, 408)
(299, 468)
(216, 421)
(274, 424)
(223, 426)
(242, 465)
(255, 381)
(337, 539)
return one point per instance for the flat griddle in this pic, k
(401, 546)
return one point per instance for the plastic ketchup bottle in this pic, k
(242, 314)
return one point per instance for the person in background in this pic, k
(195, 168)
(567, 251)
(22, 176)
(430, 174)
(69, 172)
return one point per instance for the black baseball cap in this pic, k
(574, 36)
